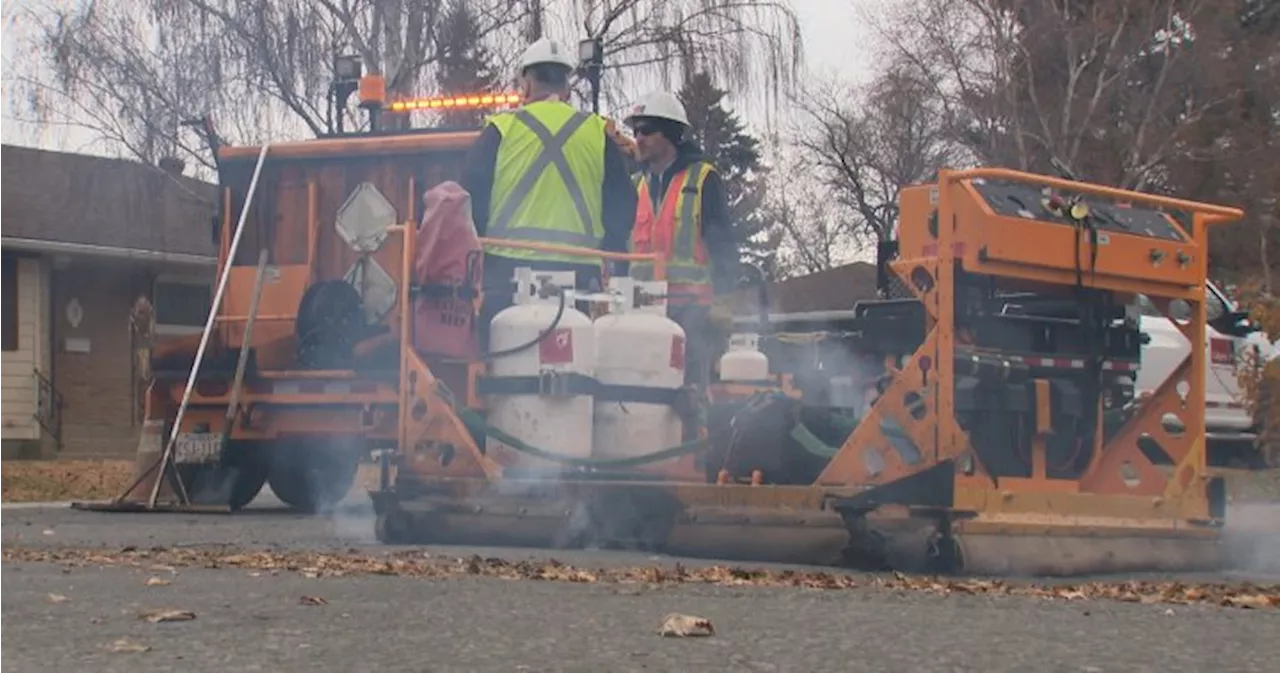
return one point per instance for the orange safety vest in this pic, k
(676, 232)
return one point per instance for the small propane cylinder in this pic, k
(744, 362)
(642, 351)
(550, 417)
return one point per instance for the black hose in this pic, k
(555, 322)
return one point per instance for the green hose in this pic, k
(476, 423)
(843, 423)
(474, 420)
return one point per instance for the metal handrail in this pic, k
(49, 405)
(1220, 213)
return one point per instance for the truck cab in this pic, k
(1229, 339)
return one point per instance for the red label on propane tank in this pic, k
(557, 347)
(677, 352)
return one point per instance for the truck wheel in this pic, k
(312, 477)
(234, 483)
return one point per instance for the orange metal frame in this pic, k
(972, 237)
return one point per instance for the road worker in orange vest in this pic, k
(682, 212)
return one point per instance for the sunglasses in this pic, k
(645, 130)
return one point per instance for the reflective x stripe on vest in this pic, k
(680, 223)
(509, 222)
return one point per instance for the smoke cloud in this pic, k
(1252, 537)
(353, 523)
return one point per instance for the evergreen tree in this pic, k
(465, 65)
(736, 155)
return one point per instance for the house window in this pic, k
(10, 299)
(181, 304)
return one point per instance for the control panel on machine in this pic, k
(1029, 202)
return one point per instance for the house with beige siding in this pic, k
(25, 353)
(82, 238)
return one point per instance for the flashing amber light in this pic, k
(455, 102)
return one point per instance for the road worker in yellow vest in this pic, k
(546, 172)
(683, 213)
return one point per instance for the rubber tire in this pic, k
(247, 481)
(312, 478)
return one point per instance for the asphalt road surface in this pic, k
(73, 616)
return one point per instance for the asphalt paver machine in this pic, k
(955, 424)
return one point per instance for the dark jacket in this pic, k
(718, 233)
(618, 195)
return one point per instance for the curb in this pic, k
(65, 504)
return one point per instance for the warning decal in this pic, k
(677, 352)
(557, 347)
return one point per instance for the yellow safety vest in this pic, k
(531, 203)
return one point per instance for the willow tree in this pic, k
(754, 48)
(130, 73)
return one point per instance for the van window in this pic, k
(1214, 307)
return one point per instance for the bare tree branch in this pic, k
(866, 145)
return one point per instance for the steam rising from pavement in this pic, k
(353, 523)
(1253, 537)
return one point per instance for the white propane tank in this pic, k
(637, 346)
(561, 424)
(744, 362)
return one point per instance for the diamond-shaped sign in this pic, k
(364, 218)
(376, 287)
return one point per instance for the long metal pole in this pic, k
(208, 327)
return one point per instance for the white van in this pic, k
(1229, 337)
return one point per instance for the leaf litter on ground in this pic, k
(412, 563)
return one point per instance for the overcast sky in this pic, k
(837, 44)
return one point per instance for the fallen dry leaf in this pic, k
(57, 598)
(676, 625)
(126, 645)
(167, 615)
(1254, 601)
(312, 600)
(157, 582)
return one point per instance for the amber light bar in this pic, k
(455, 102)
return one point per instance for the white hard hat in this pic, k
(548, 51)
(659, 105)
